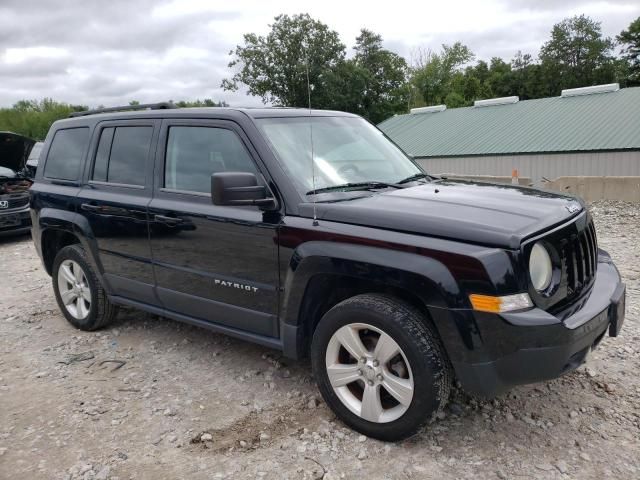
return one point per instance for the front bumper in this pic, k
(533, 346)
(13, 222)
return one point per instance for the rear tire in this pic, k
(392, 376)
(79, 293)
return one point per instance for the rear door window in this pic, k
(66, 153)
(122, 155)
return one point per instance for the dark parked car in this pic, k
(312, 233)
(15, 180)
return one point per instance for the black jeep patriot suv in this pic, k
(312, 233)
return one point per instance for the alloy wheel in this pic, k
(369, 373)
(74, 289)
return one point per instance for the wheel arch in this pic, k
(52, 241)
(322, 274)
(59, 228)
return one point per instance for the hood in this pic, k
(498, 215)
(14, 151)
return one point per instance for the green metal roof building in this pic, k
(591, 131)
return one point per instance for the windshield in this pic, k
(34, 156)
(346, 150)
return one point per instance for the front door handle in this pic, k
(167, 220)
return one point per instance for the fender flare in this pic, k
(426, 278)
(71, 222)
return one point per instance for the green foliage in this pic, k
(629, 40)
(526, 78)
(276, 67)
(577, 55)
(499, 78)
(32, 118)
(376, 83)
(346, 81)
(207, 102)
(384, 91)
(454, 100)
(433, 75)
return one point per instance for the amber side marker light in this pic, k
(508, 303)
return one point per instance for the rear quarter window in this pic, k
(66, 153)
(122, 155)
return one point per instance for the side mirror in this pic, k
(238, 188)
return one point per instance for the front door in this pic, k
(212, 263)
(114, 199)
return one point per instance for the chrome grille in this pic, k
(15, 202)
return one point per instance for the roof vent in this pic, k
(432, 109)
(575, 92)
(490, 102)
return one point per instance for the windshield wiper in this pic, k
(419, 176)
(355, 186)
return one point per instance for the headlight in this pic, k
(540, 268)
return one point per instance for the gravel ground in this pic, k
(152, 398)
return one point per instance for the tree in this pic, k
(32, 118)
(207, 102)
(499, 81)
(385, 89)
(276, 67)
(577, 55)
(525, 76)
(347, 82)
(471, 88)
(432, 72)
(480, 71)
(629, 40)
(454, 100)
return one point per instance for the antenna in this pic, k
(313, 170)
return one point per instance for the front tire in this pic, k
(79, 294)
(380, 366)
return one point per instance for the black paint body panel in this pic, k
(261, 275)
(476, 212)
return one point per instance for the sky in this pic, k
(96, 52)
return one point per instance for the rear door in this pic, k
(213, 263)
(114, 200)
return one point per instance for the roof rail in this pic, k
(431, 109)
(575, 92)
(496, 101)
(126, 108)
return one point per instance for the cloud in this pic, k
(110, 52)
(44, 67)
(564, 5)
(113, 25)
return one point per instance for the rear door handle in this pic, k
(89, 208)
(167, 220)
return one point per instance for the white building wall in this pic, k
(548, 165)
